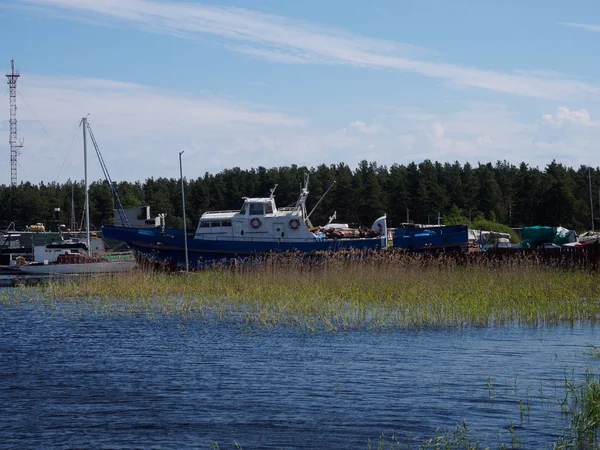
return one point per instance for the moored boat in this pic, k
(432, 238)
(91, 266)
(258, 227)
(72, 256)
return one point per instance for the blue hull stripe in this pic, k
(169, 248)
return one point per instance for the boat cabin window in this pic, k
(215, 223)
(244, 209)
(268, 208)
(257, 209)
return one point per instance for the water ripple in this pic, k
(85, 381)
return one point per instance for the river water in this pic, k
(87, 380)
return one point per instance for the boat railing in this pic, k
(262, 239)
(281, 241)
(223, 212)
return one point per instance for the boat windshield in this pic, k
(244, 208)
(257, 209)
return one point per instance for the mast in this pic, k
(87, 200)
(301, 202)
(73, 225)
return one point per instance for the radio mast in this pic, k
(12, 139)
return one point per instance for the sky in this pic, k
(273, 83)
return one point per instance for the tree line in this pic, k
(418, 192)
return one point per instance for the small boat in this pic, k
(432, 238)
(70, 257)
(259, 227)
(73, 256)
(78, 266)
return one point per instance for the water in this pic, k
(84, 380)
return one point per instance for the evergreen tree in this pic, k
(524, 196)
(489, 195)
(471, 191)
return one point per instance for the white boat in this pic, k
(78, 268)
(73, 256)
(259, 227)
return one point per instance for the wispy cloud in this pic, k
(583, 26)
(474, 132)
(293, 41)
(139, 129)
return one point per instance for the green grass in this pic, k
(580, 415)
(583, 408)
(346, 293)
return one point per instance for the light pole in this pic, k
(591, 202)
(183, 204)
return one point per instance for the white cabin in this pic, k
(258, 219)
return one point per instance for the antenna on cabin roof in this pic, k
(15, 145)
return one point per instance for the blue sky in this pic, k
(274, 83)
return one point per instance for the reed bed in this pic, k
(577, 428)
(346, 292)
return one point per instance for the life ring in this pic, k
(294, 224)
(255, 222)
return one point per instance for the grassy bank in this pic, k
(343, 293)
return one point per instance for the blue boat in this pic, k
(432, 239)
(258, 228)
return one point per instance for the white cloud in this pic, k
(139, 129)
(583, 26)
(564, 116)
(480, 132)
(365, 128)
(437, 136)
(293, 41)
(484, 141)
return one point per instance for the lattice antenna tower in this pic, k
(14, 143)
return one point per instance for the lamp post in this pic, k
(591, 202)
(183, 205)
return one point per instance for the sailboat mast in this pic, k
(87, 200)
(73, 223)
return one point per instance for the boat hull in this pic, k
(78, 268)
(440, 239)
(169, 247)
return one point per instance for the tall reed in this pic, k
(348, 291)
